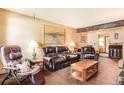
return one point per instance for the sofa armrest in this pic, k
(96, 56)
(10, 68)
(48, 60)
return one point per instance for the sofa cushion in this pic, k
(73, 56)
(51, 50)
(61, 55)
(65, 52)
(86, 55)
(59, 60)
(48, 49)
(51, 55)
(61, 49)
(15, 56)
(89, 56)
(88, 50)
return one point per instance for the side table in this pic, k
(39, 77)
(39, 62)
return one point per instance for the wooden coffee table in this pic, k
(84, 69)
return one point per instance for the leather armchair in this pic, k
(88, 52)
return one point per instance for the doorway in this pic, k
(101, 44)
(104, 41)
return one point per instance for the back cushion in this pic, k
(53, 50)
(15, 56)
(89, 50)
(6, 50)
(51, 54)
(60, 49)
(48, 50)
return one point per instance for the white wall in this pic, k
(93, 39)
(120, 35)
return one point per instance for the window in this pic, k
(101, 41)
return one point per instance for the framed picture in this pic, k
(54, 35)
(115, 35)
(83, 39)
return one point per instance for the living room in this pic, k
(35, 33)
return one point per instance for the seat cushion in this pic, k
(51, 55)
(34, 70)
(24, 67)
(62, 55)
(89, 56)
(59, 60)
(73, 56)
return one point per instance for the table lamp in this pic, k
(72, 45)
(33, 44)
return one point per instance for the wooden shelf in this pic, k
(77, 75)
(91, 74)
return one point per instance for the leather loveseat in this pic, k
(57, 57)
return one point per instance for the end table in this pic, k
(39, 62)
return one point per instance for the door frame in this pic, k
(105, 43)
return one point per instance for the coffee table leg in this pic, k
(84, 75)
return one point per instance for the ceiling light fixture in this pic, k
(34, 16)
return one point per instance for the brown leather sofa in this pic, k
(57, 57)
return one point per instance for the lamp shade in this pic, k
(33, 44)
(72, 44)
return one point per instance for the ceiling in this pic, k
(74, 17)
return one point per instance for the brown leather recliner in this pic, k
(88, 52)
